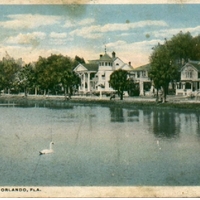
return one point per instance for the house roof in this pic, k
(91, 67)
(126, 67)
(93, 61)
(143, 68)
(195, 64)
(106, 57)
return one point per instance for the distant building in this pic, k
(190, 79)
(140, 77)
(95, 75)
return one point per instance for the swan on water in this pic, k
(46, 151)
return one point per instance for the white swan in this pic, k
(46, 151)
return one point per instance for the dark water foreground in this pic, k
(98, 144)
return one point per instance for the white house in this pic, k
(95, 75)
(190, 79)
(140, 77)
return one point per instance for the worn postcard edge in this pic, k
(105, 192)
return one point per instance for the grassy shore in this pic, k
(143, 102)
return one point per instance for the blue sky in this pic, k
(131, 30)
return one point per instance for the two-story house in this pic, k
(190, 79)
(140, 77)
(95, 75)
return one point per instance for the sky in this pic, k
(131, 30)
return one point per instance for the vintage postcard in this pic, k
(99, 98)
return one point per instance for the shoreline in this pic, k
(147, 102)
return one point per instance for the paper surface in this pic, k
(128, 191)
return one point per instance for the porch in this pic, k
(188, 88)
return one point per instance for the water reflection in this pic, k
(24, 103)
(164, 124)
(90, 150)
(116, 114)
(124, 115)
(198, 124)
(133, 115)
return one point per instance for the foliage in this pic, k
(79, 60)
(55, 71)
(119, 81)
(163, 70)
(180, 47)
(132, 88)
(26, 78)
(168, 58)
(8, 71)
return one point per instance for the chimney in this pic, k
(129, 63)
(113, 54)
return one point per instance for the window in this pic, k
(92, 75)
(188, 86)
(179, 86)
(144, 73)
(103, 76)
(198, 74)
(189, 74)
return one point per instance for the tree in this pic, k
(163, 70)
(79, 60)
(168, 58)
(55, 71)
(131, 87)
(26, 78)
(119, 81)
(8, 72)
(69, 80)
(180, 47)
(196, 48)
(42, 74)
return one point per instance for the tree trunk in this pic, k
(165, 93)
(67, 96)
(121, 95)
(35, 91)
(68, 90)
(65, 91)
(25, 92)
(156, 94)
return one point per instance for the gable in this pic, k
(126, 67)
(189, 66)
(118, 62)
(80, 68)
(142, 68)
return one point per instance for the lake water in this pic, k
(99, 146)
